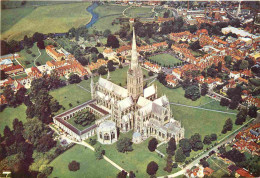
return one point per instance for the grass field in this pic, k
(56, 18)
(107, 14)
(89, 165)
(138, 12)
(165, 59)
(28, 57)
(9, 114)
(70, 94)
(136, 160)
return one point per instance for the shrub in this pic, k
(74, 166)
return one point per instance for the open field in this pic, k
(45, 19)
(9, 114)
(136, 160)
(28, 57)
(165, 59)
(138, 12)
(107, 14)
(70, 94)
(89, 165)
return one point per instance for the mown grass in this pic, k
(56, 18)
(9, 114)
(89, 165)
(165, 59)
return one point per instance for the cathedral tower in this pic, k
(134, 74)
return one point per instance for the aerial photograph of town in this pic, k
(138, 89)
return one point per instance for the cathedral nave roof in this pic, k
(162, 101)
(143, 101)
(125, 103)
(149, 91)
(106, 84)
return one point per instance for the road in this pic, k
(37, 57)
(230, 137)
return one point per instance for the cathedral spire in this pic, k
(134, 59)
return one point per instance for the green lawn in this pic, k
(10, 17)
(56, 18)
(70, 94)
(165, 59)
(138, 12)
(107, 14)
(89, 165)
(136, 160)
(28, 57)
(9, 114)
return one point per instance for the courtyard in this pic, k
(165, 59)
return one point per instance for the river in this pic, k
(93, 20)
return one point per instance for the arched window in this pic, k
(112, 135)
(106, 136)
(100, 135)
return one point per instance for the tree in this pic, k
(131, 174)
(110, 65)
(235, 155)
(55, 105)
(192, 92)
(74, 166)
(150, 73)
(224, 102)
(233, 104)
(17, 127)
(122, 174)
(102, 70)
(124, 145)
(227, 126)
(241, 118)
(45, 143)
(168, 167)
(180, 156)
(204, 89)
(99, 153)
(204, 163)
(196, 143)
(40, 44)
(152, 168)
(186, 146)
(9, 96)
(195, 46)
(37, 37)
(20, 95)
(171, 146)
(74, 78)
(219, 66)
(207, 140)
(3, 76)
(112, 41)
(152, 145)
(252, 111)
(84, 118)
(213, 137)
(244, 65)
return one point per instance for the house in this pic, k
(243, 173)
(2, 100)
(177, 73)
(99, 63)
(13, 69)
(5, 63)
(253, 101)
(242, 80)
(124, 50)
(160, 45)
(234, 74)
(109, 53)
(53, 53)
(35, 73)
(153, 67)
(171, 80)
(207, 171)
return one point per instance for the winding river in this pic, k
(93, 20)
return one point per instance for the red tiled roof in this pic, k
(11, 68)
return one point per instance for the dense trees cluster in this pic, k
(74, 78)
(124, 145)
(84, 118)
(228, 126)
(112, 41)
(14, 99)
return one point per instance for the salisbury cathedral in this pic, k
(135, 108)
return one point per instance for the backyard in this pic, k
(165, 59)
(89, 165)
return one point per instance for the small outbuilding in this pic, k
(107, 132)
(137, 138)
